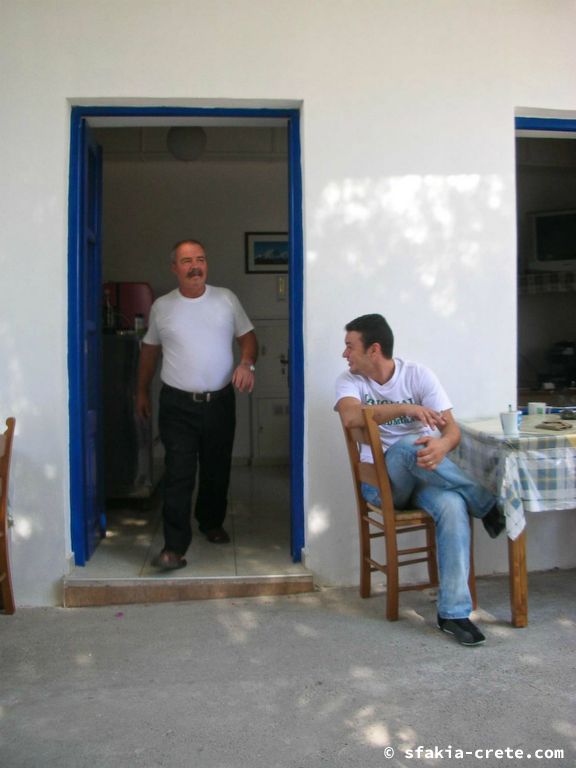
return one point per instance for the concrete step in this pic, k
(80, 593)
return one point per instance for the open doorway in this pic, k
(247, 181)
(546, 222)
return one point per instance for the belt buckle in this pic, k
(201, 397)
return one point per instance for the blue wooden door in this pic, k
(88, 515)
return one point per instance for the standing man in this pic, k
(418, 430)
(194, 327)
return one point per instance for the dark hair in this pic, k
(182, 242)
(374, 330)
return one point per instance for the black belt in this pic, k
(201, 397)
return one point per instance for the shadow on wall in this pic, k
(422, 250)
(427, 235)
(35, 492)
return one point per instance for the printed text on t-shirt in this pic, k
(401, 419)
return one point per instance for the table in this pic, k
(534, 472)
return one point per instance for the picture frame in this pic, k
(266, 252)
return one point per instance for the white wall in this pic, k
(409, 202)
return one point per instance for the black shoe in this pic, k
(216, 535)
(168, 560)
(494, 522)
(463, 630)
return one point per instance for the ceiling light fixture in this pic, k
(186, 142)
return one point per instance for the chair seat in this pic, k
(404, 516)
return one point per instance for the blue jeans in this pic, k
(447, 494)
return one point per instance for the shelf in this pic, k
(546, 282)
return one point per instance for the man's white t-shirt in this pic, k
(410, 383)
(196, 336)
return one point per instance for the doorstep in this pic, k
(81, 593)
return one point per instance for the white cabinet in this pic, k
(270, 399)
(272, 430)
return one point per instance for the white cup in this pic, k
(536, 408)
(509, 421)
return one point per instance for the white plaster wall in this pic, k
(409, 209)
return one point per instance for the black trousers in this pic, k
(195, 435)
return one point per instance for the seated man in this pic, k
(417, 431)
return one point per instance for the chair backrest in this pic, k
(374, 473)
(6, 593)
(6, 439)
(375, 444)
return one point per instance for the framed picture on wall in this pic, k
(266, 251)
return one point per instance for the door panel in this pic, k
(86, 499)
(94, 506)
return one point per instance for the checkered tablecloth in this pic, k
(532, 472)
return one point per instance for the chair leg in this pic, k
(7, 603)
(6, 592)
(365, 575)
(392, 578)
(432, 562)
(472, 574)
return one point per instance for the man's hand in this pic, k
(149, 356)
(243, 378)
(434, 449)
(143, 407)
(432, 419)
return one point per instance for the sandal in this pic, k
(217, 536)
(169, 561)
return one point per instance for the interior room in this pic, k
(225, 185)
(546, 206)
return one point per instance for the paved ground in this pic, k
(293, 682)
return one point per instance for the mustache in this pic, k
(194, 272)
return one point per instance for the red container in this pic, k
(133, 299)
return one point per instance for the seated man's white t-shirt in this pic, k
(410, 383)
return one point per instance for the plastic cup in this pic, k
(509, 420)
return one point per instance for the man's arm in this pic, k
(434, 449)
(149, 356)
(243, 377)
(451, 432)
(350, 410)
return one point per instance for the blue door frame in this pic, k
(553, 124)
(76, 310)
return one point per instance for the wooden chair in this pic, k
(5, 578)
(387, 522)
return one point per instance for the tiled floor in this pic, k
(258, 522)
